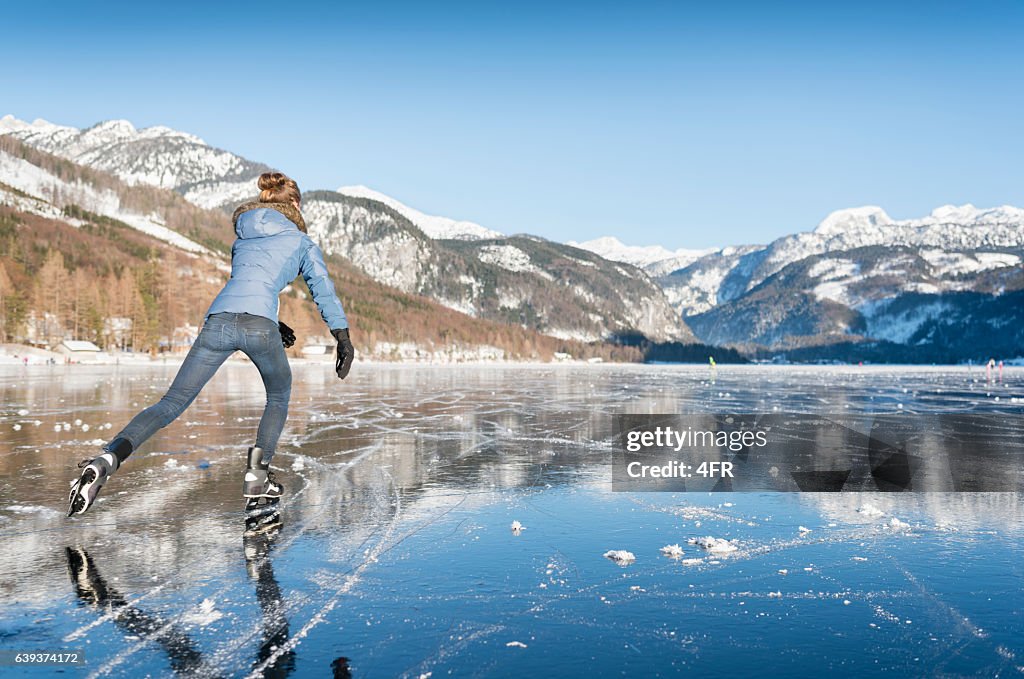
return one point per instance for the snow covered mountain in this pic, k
(204, 175)
(433, 226)
(559, 290)
(860, 275)
(955, 230)
(562, 291)
(655, 259)
(31, 184)
(729, 273)
(85, 256)
(154, 156)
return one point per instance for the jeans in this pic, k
(222, 334)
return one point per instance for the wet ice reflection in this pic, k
(395, 556)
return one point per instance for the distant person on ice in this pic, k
(271, 250)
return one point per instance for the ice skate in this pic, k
(95, 473)
(259, 488)
(86, 487)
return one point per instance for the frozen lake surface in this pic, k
(396, 555)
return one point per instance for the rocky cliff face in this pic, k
(560, 290)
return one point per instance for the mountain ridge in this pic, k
(76, 262)
(387, 240)
(850, 277)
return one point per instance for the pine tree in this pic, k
(6, 290)
(51, 296)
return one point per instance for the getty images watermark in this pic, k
(819, 453)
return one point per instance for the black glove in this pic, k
(287, 335)
(345, 352)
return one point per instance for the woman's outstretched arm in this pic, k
(314, 272)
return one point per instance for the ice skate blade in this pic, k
(261, 504)
(262, 523)
(81, 488)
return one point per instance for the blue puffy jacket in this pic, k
(269, 253)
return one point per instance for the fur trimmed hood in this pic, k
(286, 209)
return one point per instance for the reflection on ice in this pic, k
(944, 511)
(403, 547)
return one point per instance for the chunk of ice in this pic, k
(871, 511)
(204, 614)
(720, 545)
(672, 551)
(620, 556)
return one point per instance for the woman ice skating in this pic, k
(271, 249)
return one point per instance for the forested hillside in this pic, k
(85, 256)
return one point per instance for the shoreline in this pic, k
(14, 355)
(11, 368)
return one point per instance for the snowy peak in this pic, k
(953, 213)
(655, 258)
(43, 133)
(9, 124)
(853, 219)
(967, 214)
(433, 226)
(158, 131)
(612, 248)
(111, 130)
(157, 156)
(870, 218)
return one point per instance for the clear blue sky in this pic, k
(685, 124)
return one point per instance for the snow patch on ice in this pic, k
(712, 544)
(672, 551)
(896, 524)
(204, 614)
(870, 511)
(620, 556)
